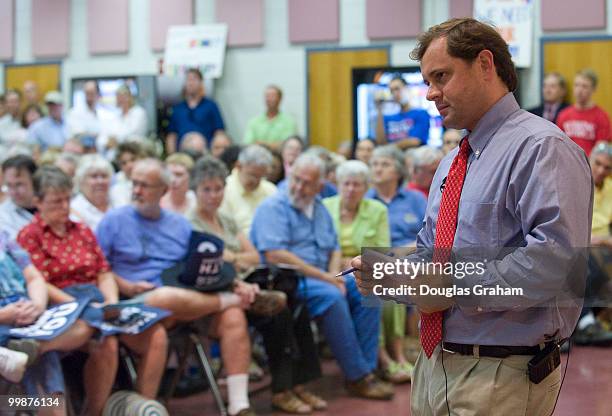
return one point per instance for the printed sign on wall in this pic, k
(513, 19)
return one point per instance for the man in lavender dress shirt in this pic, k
(526, 202)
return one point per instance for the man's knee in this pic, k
(232, 319)
(107, 349)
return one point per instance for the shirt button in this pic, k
(477, 152)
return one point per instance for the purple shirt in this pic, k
(529, 186)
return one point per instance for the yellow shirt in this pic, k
(345, 237)
(602, 210)
(240, 204)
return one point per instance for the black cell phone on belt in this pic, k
(544, 363)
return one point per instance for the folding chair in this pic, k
(184, 340)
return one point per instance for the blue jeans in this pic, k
(350, 327)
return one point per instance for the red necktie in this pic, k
(431, 324)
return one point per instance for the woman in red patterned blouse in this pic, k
(67, 253)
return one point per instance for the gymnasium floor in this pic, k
(587, 390)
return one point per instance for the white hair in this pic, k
(353, 169)
(426, 155)
(255, 155)
(391, 151)
(309, 159)
(164, 174)
(88, 163)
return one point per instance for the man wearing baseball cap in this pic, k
(49, 131)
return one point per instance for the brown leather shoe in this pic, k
(370, 387)
(268, 303)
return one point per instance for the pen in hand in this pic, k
(354, 269)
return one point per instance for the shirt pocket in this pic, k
(478, 225)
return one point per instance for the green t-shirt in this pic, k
(263, 129)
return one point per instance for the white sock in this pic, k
(228, 299)
(586, 320)
(237, 392)
(12, 364)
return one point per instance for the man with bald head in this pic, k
(142, 240)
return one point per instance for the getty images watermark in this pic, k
(407, 269)
(499, 278)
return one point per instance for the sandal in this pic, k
(396, 373)
(288, 402)
(316, 402)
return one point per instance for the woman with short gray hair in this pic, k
(406, 210)
(93, 178)
(287, 394)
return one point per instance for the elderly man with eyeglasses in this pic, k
(142, 240)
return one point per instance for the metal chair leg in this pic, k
(214, 387)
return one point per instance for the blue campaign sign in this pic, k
(53, 322)
(123, 318)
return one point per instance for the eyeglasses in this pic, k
(145, 185)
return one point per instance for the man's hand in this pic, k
(364, 277)
(138, 287)
(247, 292)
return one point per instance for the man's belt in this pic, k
(495, 351)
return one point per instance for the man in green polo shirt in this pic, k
(273, 127)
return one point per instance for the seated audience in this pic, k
(328, 189)
(179, 198)
(230, 156)
(291, 363)
(121, 191)
(68, 254)
(364, 149)
(345, 149)
(276, 173)
(247, 187)
(290, 150)
(92, 201)
(450, 140)
(18, 210)
(194, 144)
(406, 210)
(425, 163)
(143, 240)
(272, 127)
(590, 329)
(23, 299)
(293, 227)
(68, 163)
(49, 131)
(220, 142)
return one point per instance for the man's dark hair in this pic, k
(19, 162)
(130, 147)
(230, 156)
(465, 39)
(196, 72)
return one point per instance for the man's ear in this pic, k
(486, 63)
